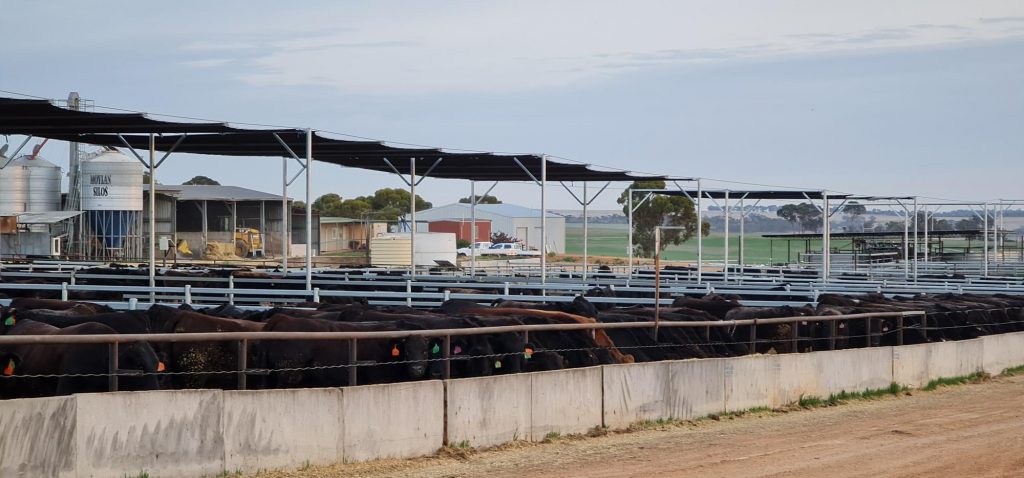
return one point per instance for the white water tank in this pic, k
(111, 181)
(12, 188)
(41, 180)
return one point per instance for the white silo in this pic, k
(41, 180)
(111, 197)
(12, 188)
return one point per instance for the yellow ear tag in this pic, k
(9, 369)
(395, 352)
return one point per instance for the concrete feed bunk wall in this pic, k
(192, 433)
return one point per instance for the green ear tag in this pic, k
(497, 364)
(9, 321)
(436, 349)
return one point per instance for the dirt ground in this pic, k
(967, 430)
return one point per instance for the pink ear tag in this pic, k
(458, 350)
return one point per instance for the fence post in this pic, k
(353, 359)
(408, 291)
(447, 371)
(188, 294)
(447, 295)
(243, 362)
(72, 278)
(316, 295)
(231, 287)
(794, 333)
(899, 329)
(831, 335)
(867, 331)
(753, 338)
(112, 366)
(133, 303)
(924, 326)
(64, 291)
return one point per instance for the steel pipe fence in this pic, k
(113, 341)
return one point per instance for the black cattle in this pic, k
(579, 306)
(715, 305)
(70, 360)
(770, 337)
(23, 303)
(379, 360)
(205, 363)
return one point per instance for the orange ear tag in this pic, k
(160, 367)
(9, 369)
(395, 352)
(528, 353)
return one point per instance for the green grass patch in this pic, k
(1013, 371)
(464, 444)
(142, 474)
(811, 401)
(551, 436)
(963, 379)
(610, 240)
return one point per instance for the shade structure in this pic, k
(43, 119)
(770, 194)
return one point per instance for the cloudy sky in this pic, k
(870, 97)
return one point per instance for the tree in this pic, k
(328, 205)
(387, 204)
(485, 199)
(855, 210)
(354, 208)
(660, 210)
(499, 237)
(201, 181)
(805, 214)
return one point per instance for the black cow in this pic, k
(68, 360)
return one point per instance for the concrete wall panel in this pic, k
(750, 382)
(37, 437)
(953, 359)
(696, 388)
(166, 433)
(398, 420)
(910, 365)
(1003, 352)
(566, 402)
(269, 429)
(634, 392)
(489, 411)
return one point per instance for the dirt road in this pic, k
(968, 430)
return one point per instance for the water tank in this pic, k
(111, 181)
(42, 180)
(12, 188)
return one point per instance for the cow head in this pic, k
(141, 356)
(414, 351)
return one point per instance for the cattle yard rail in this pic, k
(352, 338)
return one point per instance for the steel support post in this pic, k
(285, 213)
(309, 209)
(586, 229)
(152, 217)
(916, 243)
(629, 231)
(472, 228)
(543, 222)
(743, 216)
(412, 218)
(906, 243)
(825, 256)
(700, 233)
(243, 363)
(725, 249)
(985, 236)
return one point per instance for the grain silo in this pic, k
(111, 198)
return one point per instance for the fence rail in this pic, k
(243, 339)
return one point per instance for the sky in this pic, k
(870, 97)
